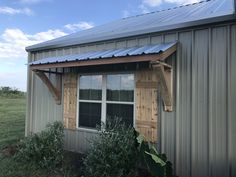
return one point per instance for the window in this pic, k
(90, 101)
(103, 96)
(120, 97)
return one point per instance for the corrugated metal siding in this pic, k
(218, 117)
(231, 103)
(199, 140)
(199, 137)
(44, 110)
(78, 140)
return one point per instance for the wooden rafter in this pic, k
(165, 75)
(56, 93)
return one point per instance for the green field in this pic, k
(12, 120)
(12, 123)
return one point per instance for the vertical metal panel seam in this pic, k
(32, 96)
(28, 107)
(176, 94)
(177, 102)
(191, 93)
(162, 37)
(149, 39)
(209, 103)
(228, 79)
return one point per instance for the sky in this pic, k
(27, 22)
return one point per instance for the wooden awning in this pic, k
(148, 53)
(155, 54)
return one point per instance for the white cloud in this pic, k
(144, 8)
(12, 11)
(32, 1)
(125, 14)
(155, 3)
(13, 56)
(47, 35)
(179, 2)
(14, 41)
(79, 26)
(152, 3)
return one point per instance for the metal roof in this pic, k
(133, 51)
(195, 14)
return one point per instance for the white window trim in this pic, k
(103, 101)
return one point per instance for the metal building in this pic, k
(175, 68)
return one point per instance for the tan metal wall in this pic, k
(199, 136)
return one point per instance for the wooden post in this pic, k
(165, 75)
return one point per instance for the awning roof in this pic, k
(124, 55)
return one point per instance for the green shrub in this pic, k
(45, 148)
(113, 153)
(156, 163)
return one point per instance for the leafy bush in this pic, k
(150, 159)
(113, 153)
(45, 148)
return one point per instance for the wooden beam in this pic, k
(46, 71)
(105, 61)
(56, 93)
(165, 76)
(168, 52)
(161, 63)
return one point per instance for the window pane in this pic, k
(122, 111)
(113, 87)
(127, 87)
(90, 87)
(89, 114)
(120, 87)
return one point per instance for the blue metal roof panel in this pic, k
(184, 16)
(133, 51)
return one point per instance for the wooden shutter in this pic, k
(147, 104)
(70, 100)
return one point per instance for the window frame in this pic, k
(103, 101)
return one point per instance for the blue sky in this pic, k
(26, 22)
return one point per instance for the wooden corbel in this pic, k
(55, 91)
(164, 72)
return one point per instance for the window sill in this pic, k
(87, 130)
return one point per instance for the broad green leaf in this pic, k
(154, 149)
(140, 139)
(156, 159)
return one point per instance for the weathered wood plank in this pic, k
(147, 104)
(70, 100)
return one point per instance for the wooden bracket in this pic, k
(165, 74)
(56, 93)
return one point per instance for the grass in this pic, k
(12, 120)
(12, 125)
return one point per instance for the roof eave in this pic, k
(39, 47)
